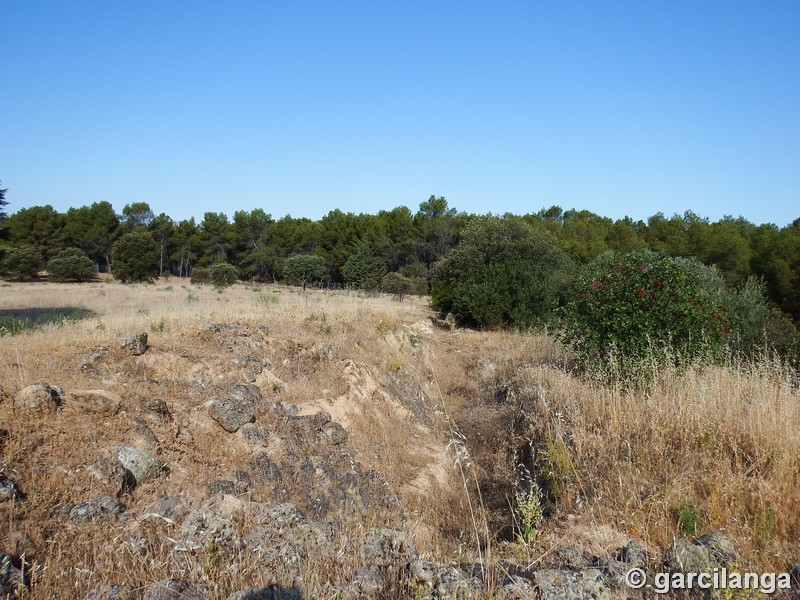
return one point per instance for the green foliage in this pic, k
(200, 275)
(135, 257)
(71, 264)
(302, 269)
(223, 274)
(689, 519)
(502, 274)
(21, 263)
(396, 284)
(642, 308)
(364, 268)
(3, 215)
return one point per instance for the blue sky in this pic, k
(621, 108)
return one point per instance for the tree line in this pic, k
(400, 241)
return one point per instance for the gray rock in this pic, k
(720, 548)
(517, 588)
(386, 547)
(8, 489)
(98, 402)
(141, 465)
(685, 557)
(263, 470)
(203, 529)
(167, 508)
(110, 473)
(12, 581)
(336, 433)
(254, 434)
(177, 589)
(634, 554)
(142, 437)
(96, 509)
(267, 593)
(232, 413)
(246, 391)
(37, 397)
(555, 584)
(111, 591)
(135, 343)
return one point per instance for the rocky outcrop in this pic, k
(38, 397)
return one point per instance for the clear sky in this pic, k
(621, 108)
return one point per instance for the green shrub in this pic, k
(502, 274)
(396, 284)
(200, 275)
(635, 310)
(71, 264)
(135, 257)
(21, 263)
(302, 269)
(223, 274)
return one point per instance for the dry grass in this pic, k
(442, 415)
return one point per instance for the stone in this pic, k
(232, 413)
(142, 437)
(720, 548)
(263, 470)
(110, 473)
(267, 593)
(557, 584)
(142, 465)
(135, 343)
(156, 411)
(385, 547)
(98, 402)
(685, 557)
(516, 588)
(8, 489)
(246, 391)
(37, 397)
(634, 554)
(111, 591)
(202, 528)
(167, 508)
(177, 589)
(256, 435)
(12, 580)
(101, 508)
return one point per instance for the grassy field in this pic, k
(453, 420)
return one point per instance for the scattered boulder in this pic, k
(267, 593)
(561, 584)
(232, 413)
(135, 343)
(142, 465)
(38, 397)
(203, 529)
(142, 437)
(12, 580)
(111, 474)
(387, 547)
(103, 507)
(177, 589)
(99, 402)
(8, 489)
(167, 508)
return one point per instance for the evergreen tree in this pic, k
(364, 268)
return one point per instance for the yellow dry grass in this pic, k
(440, 414)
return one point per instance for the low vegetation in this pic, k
(498, 450)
